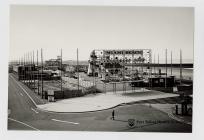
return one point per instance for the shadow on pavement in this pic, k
(119, 120)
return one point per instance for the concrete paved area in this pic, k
(102, 101)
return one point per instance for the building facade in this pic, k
(117, 63)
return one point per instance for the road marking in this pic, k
(23, 124)
(64, 121)
(24, 91)
(34, 110)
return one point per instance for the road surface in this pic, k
(23, 115)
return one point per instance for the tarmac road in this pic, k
(23, 115)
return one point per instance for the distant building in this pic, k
(24, 71)
(53, 64)
(28, 72)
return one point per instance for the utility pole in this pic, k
(114, 87)
(42, 72)
(171, 63)
(29, 69)
(38, 73)
(180, 66)
(154, 64)
(158, 65)
(26, 70)
(150, 66)
(24, 67)
(166, 69)
(78, 68)
(61, 74)
(93, 67)
(34, 70)
(132, 74)
(124, 84)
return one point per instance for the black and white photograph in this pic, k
(101, 68)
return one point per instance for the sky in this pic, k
(100, 27)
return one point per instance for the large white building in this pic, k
(117, 63)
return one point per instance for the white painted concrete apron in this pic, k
(102, 101)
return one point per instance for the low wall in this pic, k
(66, 94)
